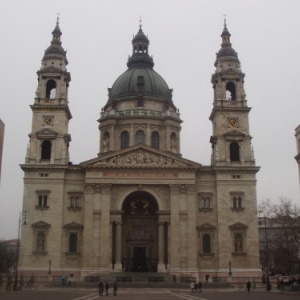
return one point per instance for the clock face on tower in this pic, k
(48, 121)
(233, 123)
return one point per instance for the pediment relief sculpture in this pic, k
(142, 158)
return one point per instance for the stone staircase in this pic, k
(138, 280)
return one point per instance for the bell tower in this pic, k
(49, 137)
(231, 141)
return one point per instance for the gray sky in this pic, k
(184, 37)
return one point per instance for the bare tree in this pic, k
(8, 257)
(283, 232)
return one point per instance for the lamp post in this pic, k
(230, 273)
(269, 287)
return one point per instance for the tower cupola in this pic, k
(140, 56)
(226, 49)
(55, 50)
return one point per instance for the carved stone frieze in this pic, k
(164, 192)
(140, 126)
(191, 188)
(142, 158)
(174, 188)
(116, 191)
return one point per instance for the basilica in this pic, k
(139, 205)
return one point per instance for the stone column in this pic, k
(191, 227)
(87, 244)
(105, 231)
(174, 230)
(53, 147)
(148, 135)
(161, 266)
(118, 265)
(132, 136)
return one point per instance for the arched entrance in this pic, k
(140, 233)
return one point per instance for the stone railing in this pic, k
(140, 113)
(48, 101)
(229, 103)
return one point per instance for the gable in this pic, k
(141, 155)
(238, 226)
(40, 224)
(73, 225)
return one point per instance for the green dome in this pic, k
(140, 81)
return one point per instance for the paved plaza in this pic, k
(145, 294)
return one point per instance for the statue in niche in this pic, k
(105, 144)
(173, 145)
(40, 242)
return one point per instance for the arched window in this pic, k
(155, 140)
(238, 243)
(230, 91)
(234, 152)
(140, 137)
(51, 89)
(206, 243)
(73, 242)
(124, 139)
(46, 150)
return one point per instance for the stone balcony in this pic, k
(140, 113)
(46, 101)
(231, 103)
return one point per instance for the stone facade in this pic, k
(139, 205)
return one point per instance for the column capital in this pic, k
(174, 188)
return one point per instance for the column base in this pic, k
(117, 267)
(161, 267)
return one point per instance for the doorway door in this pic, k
(139, 259)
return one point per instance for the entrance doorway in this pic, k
(139, 259)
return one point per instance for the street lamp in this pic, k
(15, 286)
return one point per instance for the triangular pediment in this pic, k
(47, 132)
(73, 225)
(40, 224)
(234, 133)
(141, 156)
(206, 226)
(238, 226)
(232, 71)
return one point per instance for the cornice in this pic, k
(64, 107)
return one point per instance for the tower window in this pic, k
(206, 244)
(73, 241)
(237, 202)
(140, 137)
(51, 89)
(124, 139)
(46, 150)
(234, 152)
(155, 140)
(230, 91)
(43, 201)
(140, 80)
(205, 202)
